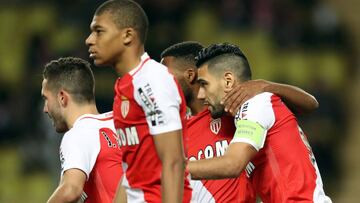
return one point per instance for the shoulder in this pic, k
(259, 100)
(155, 66)
(154, 72)
(87, 128)
(92, 123)
(258, 109)
(155, 81)
(76, 136)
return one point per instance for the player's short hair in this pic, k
(187, 50)
(126, 14)
(184, 52)
(225, 56)
(74, 75)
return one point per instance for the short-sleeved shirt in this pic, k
(148, 102)
(207, 138)
(284, 169)
(91, 146)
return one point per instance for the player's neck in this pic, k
(78, 110)
(196, 106)
(129, 60)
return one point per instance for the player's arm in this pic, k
(70, 187)
(162, 106)
(120, 196)
(295, 98)
(228, 166)
(248, 139)
(169, 147)
(77, 163)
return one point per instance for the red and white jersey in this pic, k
(148, 102)
(207, 138)
(91, 146)
(284, 169)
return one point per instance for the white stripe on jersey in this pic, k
(319, 194)
(133, 195)
(200, 193)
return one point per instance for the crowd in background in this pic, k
(299, 42)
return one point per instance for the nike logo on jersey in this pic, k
(210, 151)
(127, 136)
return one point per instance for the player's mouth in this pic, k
(92, 54)
(206, 103)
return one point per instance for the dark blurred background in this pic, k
(313, 44)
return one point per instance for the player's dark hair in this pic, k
(225, 56)
(184, 54)
(184, 50)
(74, 75)
(126, 14)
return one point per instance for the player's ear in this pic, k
(63, 98)
(190, 75)
(229, 80)
(128, 35)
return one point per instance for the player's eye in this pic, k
(97, 31)
(202, 83)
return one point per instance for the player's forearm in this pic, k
(172, 179)
(120, 196)
(65, 194)
(297, 99)
(215, 168)
(170, 150)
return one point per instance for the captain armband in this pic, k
(250, 132)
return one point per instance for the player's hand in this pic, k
(240, 93)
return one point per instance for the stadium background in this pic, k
(314, 44)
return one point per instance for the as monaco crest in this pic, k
(125, 106)
(215, 125)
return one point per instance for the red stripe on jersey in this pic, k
(283, 170)
(100, 119)
(207, 138)
(142, 164)
(106, 173)
(142, 64)
(102, 192)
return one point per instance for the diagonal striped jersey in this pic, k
(91, 146)
(207, 138)
(284, 169)
(147, 102)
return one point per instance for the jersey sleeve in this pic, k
(78, 151)
(160, 100)
(253, 120)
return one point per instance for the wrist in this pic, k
(187, 165)
(269, 87)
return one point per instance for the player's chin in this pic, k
(60, 128)
(216, 112)
(100, 62)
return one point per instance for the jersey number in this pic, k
(105, 133)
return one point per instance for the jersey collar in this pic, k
(145, 57)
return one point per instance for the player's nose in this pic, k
(89, 40)
(45, 109)
(201, 93)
